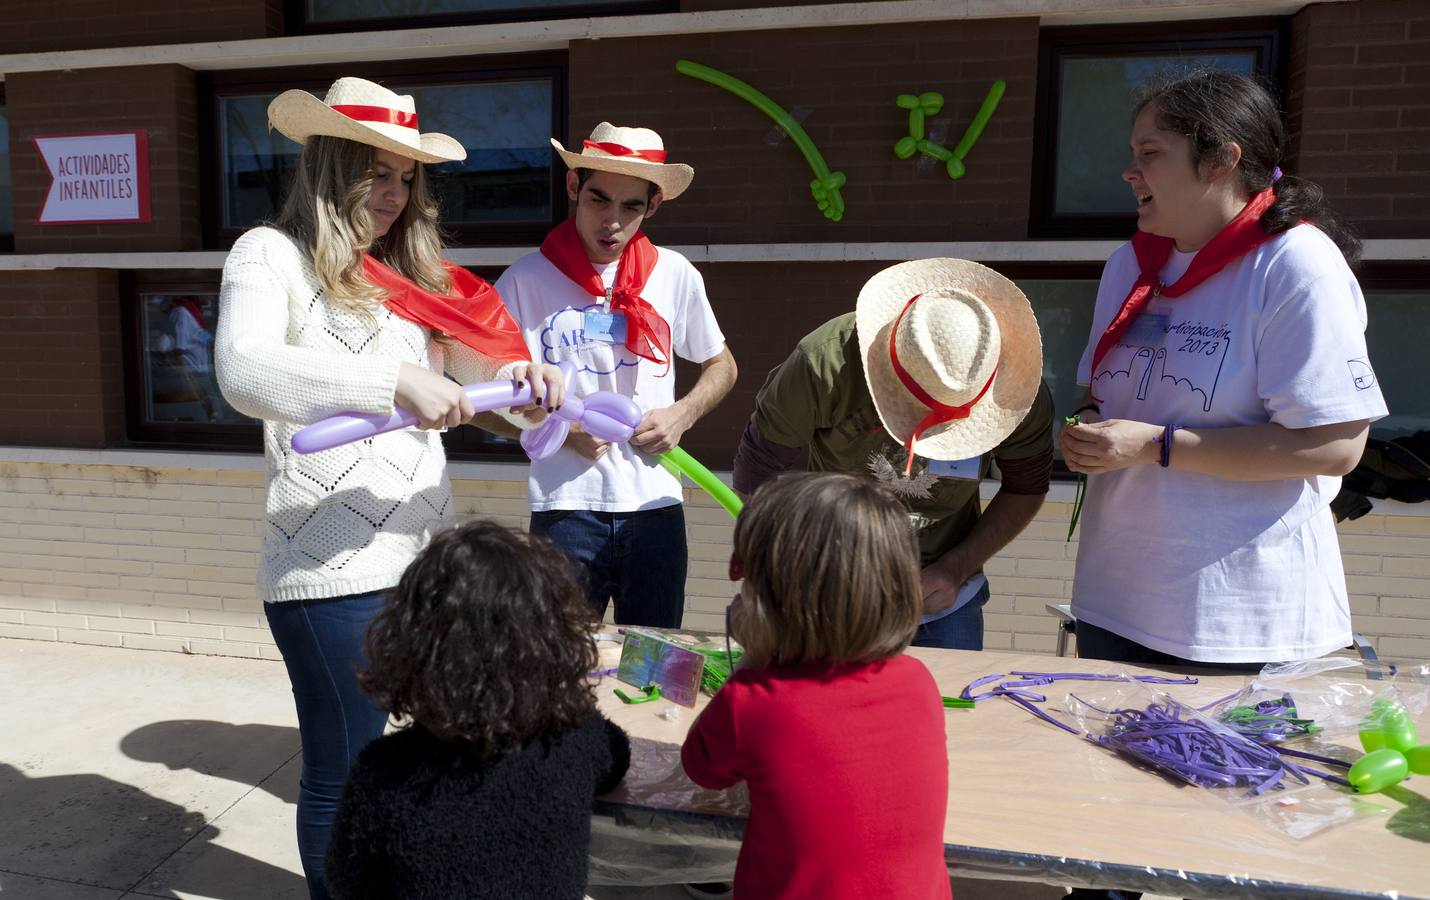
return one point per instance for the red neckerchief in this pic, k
(1239, 237)
(647, 334)
(472, 314)
(188, 305)
(938, 412)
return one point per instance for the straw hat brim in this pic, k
(300, 115)
(1020, 363)
(672, 178)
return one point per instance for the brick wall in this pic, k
(747, 190)
(1359, 111)
(164, 559)
(162, 100)
(33, 26)
(61, 372)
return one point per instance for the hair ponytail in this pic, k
(1213, 108)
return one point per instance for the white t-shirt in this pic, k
(550, 308)
(1203, 567)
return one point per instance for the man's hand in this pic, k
(940, 581)
(661, 429)
(584, 443)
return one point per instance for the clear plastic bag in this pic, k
(1154, 730)
(1334, 693)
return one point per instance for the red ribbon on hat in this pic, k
(623, 150)
(377, 114)
(938, 412)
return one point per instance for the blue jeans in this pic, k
(322, 646)
(638, 558)
(1099, 643)
(961, 629)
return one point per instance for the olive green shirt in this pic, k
(818, 398)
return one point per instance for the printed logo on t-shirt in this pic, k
(565, 339)
(1186, 355)
(1361, 373)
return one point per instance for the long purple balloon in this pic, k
(345, 428)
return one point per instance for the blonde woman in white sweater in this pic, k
(345, 304)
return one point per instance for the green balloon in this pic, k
(678, 460)
(827, 195)
(916, 123)
(1378, 770)
(907, 101)
(1419, 759)
(906, 147)
(1387, 726)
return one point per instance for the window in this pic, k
(173, 396)
(7, 221)
(1063, 301)
(346, 15)
(507, 191)
(1397, 299)
(1086, 79)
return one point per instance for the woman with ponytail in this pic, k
(345, 304)
(1230, 390)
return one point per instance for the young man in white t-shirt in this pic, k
(600, 296)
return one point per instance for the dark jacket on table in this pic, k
(423, 819)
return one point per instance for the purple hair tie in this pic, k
(1275, 174)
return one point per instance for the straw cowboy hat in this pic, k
(362, 111)
(964, 336)
(629, 151)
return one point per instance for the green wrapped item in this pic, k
(718, 665)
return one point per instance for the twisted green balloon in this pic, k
(928, 104)
(826, 184)
(677, 462)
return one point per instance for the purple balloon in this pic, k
(616, 406)
(345, 428)
(545, 439)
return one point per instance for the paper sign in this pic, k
(95, 178)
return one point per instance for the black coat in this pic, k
(422, 819)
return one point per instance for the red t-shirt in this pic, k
(848, 774)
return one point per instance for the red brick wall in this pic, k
(32, 26)
(162, 100)
(1359, 111)
(747, 191)
(764, 309)
(61, 371)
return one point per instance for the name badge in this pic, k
(607, 327)
(1148, 329)
(965, 469)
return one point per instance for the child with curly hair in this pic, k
(838, 734)
(485, 647)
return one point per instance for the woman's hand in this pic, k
(1106, 446)
(437, 402)
(548, 389)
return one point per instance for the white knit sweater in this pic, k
(350, 519)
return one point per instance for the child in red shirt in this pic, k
(839, 736)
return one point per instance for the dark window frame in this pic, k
(1268, 37)
(7, 238)
(295, 16)
(396, 75)
(466, 444)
